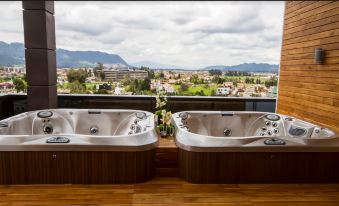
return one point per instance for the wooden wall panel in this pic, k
(307, 90)
(258, 167)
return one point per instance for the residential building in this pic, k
(121, 73)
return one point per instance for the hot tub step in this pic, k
(166, 161)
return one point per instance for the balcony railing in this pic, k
(12, 104)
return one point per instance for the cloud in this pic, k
(191, 34)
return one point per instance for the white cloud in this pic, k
(191, 34)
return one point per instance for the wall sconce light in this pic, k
(319, 56)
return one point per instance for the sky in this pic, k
(186, 34)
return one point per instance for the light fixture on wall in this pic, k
(319, 56)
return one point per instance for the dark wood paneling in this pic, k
(112, 167)
(307, 90)
(80, 167)
(260, 167)
(47, 167)
(76, 167)
(12, 168)
(166, 159)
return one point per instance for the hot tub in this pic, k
(77, 146)
(254, 147)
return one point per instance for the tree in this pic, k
(218, 80)
(77, 88)
(76, 75)
(194, 79)
(213, 92)
(20, 84)
(98, 69)
(249, 80)
(102, 91)
(146, 84)
(162, 75)
(150, 72)
(102, 75)
(184, 87)
(214, 72)
(273, 81)
(200, 93)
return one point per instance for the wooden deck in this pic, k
(170, 191)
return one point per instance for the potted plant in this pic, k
(163, 119)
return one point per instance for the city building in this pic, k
(272, 92)
(223, 91)
(120, 74)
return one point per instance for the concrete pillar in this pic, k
(39, 33)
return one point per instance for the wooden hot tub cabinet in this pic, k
(259, 167)
(81, 167)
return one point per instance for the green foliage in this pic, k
(150, 72)
(272, 82)
(137, 86)
(161, 100)
(214, 72)
(77, 88)
(161, 127)
(213, 92)
(161, 75)
(158, 112)
(20, 84)
(200, 93)
(183, 87)
(102, 91)
(197, 90)
(218, 80)
(249, 80)
(77, 75)
(195, 79)
(7, 79)
(236, 73)
(102, 75)
(97, 70)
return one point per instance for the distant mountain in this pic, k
(13, 54)
(155, 65)
(67, 58)
(247, 67)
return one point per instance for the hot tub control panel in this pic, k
(58, 139)
(270, 125)
(274, 141)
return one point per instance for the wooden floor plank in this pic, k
(172, 191)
